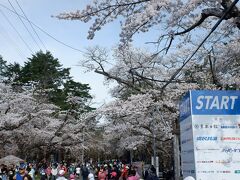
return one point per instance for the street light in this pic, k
(154, 135)
(131, 154)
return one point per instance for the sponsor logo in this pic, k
(188, 151)
(206, 172)
(208, 162)
(230, 138)
(219, 172)
(206, 126)
(235, 162)
(188, 162)
(237, 171)
(189, 171)
(216, 126)
(207, 149)
(186, 141)
(206, 138)
(186, 128)
(223, 161)
(230, 126)
(223, 172)
(231, 150)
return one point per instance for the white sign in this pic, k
(210, 135)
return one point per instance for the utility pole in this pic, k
(131, 154)
(83, 147)
(154, 143)
(154, 122)
(176, 151)
(1, 71)
(176, 157)
(156, 158)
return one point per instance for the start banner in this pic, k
(210, 135)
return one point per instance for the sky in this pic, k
(17, 44)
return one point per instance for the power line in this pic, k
(16, 31)
(24, 25)
(31, 25)
(212, 30)
(43, 30)
(9, 39)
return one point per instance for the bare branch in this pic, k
(119, 80)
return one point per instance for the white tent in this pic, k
(10, 160)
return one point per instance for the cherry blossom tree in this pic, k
(28, 125)
(173, 19)
(146, 80)
(180, 26)
(141, 106)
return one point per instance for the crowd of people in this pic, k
(114, 170)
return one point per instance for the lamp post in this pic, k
(155, 160)
(154, 144)
(131, 154)
(83, 147)
(154, 136)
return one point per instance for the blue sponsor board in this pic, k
(185, 107)
(210, 126)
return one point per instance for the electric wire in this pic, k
(199, 46)
(45, 32)
(28, 47)
(10, 41)
(31, 25)
(24, 25)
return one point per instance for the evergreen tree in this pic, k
(3, 68)
(9, 73)
(44, 71)
(52, 81)
(80, 92)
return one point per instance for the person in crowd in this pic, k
(54, 171)
(48, 172)
(114, 175)
(63, 167)
(31, 171)
(132, 175)
(4, 171)
(135, 168)
(96, 170)
(21, 172)
(85, 172)
(91, 175)
(61, 175)
(78, 170)
(124, 172)
(102, 173)
(145, 175)
(152, 174)
(189, 178)
(11, 172)
(72, 177)
(42, 172)
(116, 169)
(109, 171)
(27, 177)
(71, 169)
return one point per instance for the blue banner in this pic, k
(215, 102)
(185, 107)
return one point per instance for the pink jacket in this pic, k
(101, 175)
(132, 178)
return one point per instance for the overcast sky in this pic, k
(17, 43)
